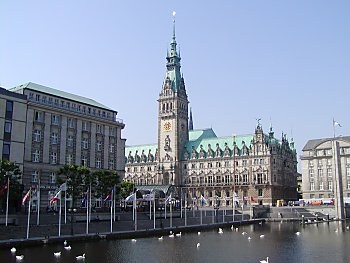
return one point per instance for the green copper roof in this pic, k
(58, 93)
(221, 141)
(139, 149)
(201, 134)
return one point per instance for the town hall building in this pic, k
(253, 168)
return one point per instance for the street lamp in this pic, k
(72, 211)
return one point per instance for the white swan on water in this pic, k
(57, 254)
(80, 257)
(13, 250)
(198, 245)
(265, 261)
(68, 248)
(20, 258)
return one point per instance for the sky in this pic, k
(286, 62)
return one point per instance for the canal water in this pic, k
(280, 242)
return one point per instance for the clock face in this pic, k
(167, 126)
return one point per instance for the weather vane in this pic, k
(174, 14)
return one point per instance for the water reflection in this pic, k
(316, 243)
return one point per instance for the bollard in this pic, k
(303, 219)
(327, 216)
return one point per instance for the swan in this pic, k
(20, 258)
(65, 243)
(68, 248)
(178, 235)
(220, 231)
(265, 261)
(57, 254)
(133, 240)
(249, 238)
(236, 229)
(262, 236)
(171, 235)
(13, 250)
(160, 238)
(297, 233)
(199, 233)
(232, 227)
(244, 233)
(80, 257)
(198, 245)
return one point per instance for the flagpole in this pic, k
(135, 211)
(333, 128)
(114, 201)
(59, 216)
(38, 204)
(112, 197)
(65, 206)
(186, 208)
(29, 207)
(165, 208)
(90, 203)
(87, 213)
(181, 201)
(7, 198)
(154, 212)
(171, 213)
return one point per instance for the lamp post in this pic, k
(72, 211)
(7, 196)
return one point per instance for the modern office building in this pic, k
(13, 118)
(257, 167)
(325, 165)
(63, 129)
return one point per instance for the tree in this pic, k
(126, 188)
(74, 177)
(106, 181)
(10, 171)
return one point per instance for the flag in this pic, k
(3, 189)
(336, 124)
(55, 198)
(108, 198)
(63, 187)
(27, 195)
(83, 201)
(252, 199)
(168, 199)
(203, 200)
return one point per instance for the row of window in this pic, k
(328, 171)
(328, 152)
(72, 123)
(329, 186)
(70, 105)
(7, 130)
(70, 159)
(54, 139)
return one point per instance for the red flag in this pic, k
(26, 196)
(3, 189)
(252, 199)
(55, 198)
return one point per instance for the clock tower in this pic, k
(172, 119)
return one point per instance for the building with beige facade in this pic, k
(256, 168)
(62, 129)
(326, 169)
(13, 119)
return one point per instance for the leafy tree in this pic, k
(74, 176)
(11, 171)
(106, 181)
(126, 188)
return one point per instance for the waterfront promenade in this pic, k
(123, 227)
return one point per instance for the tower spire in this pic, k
(190, 125)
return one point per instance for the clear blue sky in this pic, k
(284, 61)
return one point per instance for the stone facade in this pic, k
(258, 167)
(63, 129)
(12, 126)
(326, 163)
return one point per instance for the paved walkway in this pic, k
(48, 227)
